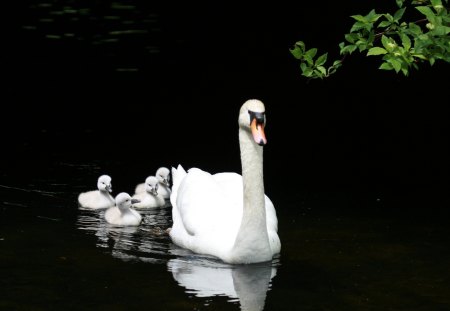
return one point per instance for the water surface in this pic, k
(340, 251)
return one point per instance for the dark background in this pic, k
(171, 94)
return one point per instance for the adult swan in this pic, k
(228, 215)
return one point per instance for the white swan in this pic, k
(163, 175)
(227, 215)
(98, 198)
(122, 214)
(150, 198)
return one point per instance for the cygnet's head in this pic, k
(163, 175)
(151, 185)
(252, 117)
(104, 183)
(124, 201)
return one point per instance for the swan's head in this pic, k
(163, 175)
(104, 183)
(252, 117)
(151, 185)
(124, 201)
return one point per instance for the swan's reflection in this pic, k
(206, 277)
(147, 242)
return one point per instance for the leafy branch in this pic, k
(402, 45)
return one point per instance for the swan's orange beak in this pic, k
(258, 132)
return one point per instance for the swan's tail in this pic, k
(177, 176)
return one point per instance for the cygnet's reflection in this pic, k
(207, 277)
(147, 242)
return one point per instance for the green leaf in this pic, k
(359, 18)
(372, 16)
(406, 42)
(420, 56)
(396, 64)
(388, 43)
(399, 3)
(384, 24)
(441, 30)
(303, 67)
(437, 5)
(405, 71)
(389, 17)
(414, 29)
(296, 52)
(308, 59)
(318, 74)
(427, 12)
(386, 66)
(311, 53)
(358, 26)
(348, 49)
(351, 37)
(301, 45)
(399, 14)
(308, 72)
(376, 51)
(322, 70)
(321, 59)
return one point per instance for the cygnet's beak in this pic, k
(166, 182)
(154, 191)
(134, 201)
(108, 188)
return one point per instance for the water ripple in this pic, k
(148, 242)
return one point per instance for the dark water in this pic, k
(360, 182)
(340, 251)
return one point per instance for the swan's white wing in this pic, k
(205, 216)
(203, 203)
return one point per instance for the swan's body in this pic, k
(228, 215)
(100, 198)
(150, 198)
(122, 214)
(163, 176)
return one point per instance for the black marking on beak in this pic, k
(259, 116)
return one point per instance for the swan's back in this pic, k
(115, 217)
(205, 216)
(148, 200)
(96, 200)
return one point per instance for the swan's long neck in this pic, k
(252, 241)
